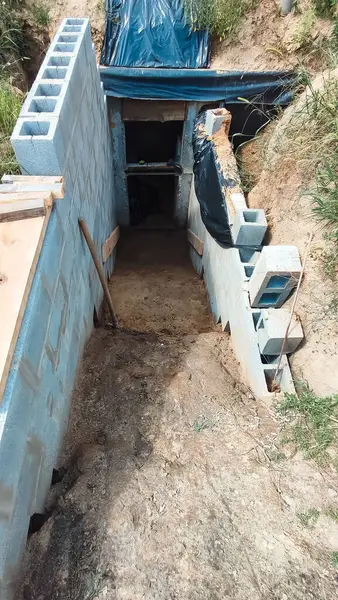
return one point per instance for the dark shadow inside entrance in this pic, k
(152, 201)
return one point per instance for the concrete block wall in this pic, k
(234, 277)
(62, 130)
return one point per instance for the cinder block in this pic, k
(39, 146)
(248, 255)
(283, 378)
(249, 227)
(248, 270)
(274, 277)
(271, 329)
(62, 130)
(52, 99)
(214, 120)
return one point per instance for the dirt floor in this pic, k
(169, 488)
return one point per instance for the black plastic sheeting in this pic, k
(208, 185)
(152, 33)
(202, 85)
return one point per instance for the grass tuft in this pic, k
(10, 105)
(314, 426)
(221, 17)
(41, 14)
(334, 559)
(302, 37)
(309, 518)
(324, 8)
(332, 512)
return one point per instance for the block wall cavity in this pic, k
(62, 130)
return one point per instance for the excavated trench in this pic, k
(164, 488)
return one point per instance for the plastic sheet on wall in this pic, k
(209, 182)
(152, 33)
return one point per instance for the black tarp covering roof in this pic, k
(152, 33)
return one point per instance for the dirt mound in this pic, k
(266, 40)
(282, 192)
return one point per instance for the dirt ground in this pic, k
(169, 488)
(266, 40)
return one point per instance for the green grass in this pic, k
(332, 512)
(41, 13)
(221, 17)
(314, 426)
(11, 35)
(309, 518)
(302, 36)
(334, 559)
(324, 8)
(201, 423)
(10, 104)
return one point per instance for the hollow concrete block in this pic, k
(271, 330)
(275, 275)
(249, 227)
(39, 146)
(214, 120)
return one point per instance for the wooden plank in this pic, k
(110, 243)
(20, 246)
(48, 179)
(56, 189)
(195, 242)
(151, 110)
(22, 196)
(24, 209)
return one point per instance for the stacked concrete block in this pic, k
(62, 130)
(249, 227)
(275, 275)
(43, 131)
(271, 331)
(234, 276)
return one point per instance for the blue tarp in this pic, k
(152, 33)
(202, 85)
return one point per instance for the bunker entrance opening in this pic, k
(152, 201)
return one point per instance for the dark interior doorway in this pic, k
(153, 141)
(152, 201)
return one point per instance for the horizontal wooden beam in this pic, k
(110, 243)
(32, 179)
(56, 189)
(24, 209)
(195, 242)
(23, 196)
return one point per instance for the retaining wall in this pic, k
(227, 273)
(62, 130)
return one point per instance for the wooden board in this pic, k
(195, 242)
(23, 196)
(20, 246)
(31, 179)
(56, 189)
(110, 243)
(24, 209)
(153, 110)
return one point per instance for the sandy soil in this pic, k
(170, 490)
(290, 218)
(266, 40)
